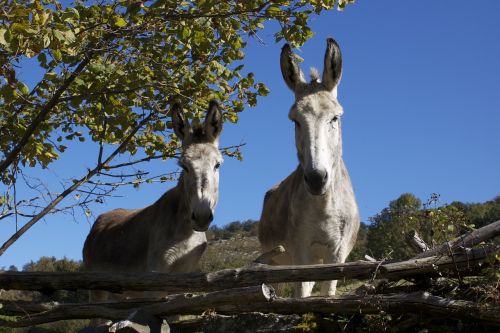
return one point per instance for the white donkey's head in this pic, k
(200, 160)
(316, 114)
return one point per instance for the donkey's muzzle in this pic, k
(201, 219)
(316, 181)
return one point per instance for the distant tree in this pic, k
(435, 223)
(251, 226)
(12, 268)
(51, 264)
(481, 214)
(216, 233)
(234, 227)
(360, 249)
(387, 230)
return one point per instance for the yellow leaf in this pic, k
(2, 37)
(24, 89)
(119, 21)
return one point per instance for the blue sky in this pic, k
(421, 94)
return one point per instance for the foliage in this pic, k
(480, 214)
(137, 57)
(435, 224)
(360, 249)
(110, 71)
(51, 264)
(232, 229)
(387, 229)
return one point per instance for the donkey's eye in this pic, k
(217, 166)
(334, 119)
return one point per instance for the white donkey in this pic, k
(313, 212)
(169, 235)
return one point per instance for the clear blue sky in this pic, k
(421, 94)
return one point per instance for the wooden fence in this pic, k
(247, 289)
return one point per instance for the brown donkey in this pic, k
(169, 235)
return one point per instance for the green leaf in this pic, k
(2, 37)
(24, 89)
(97, 68)
(57, 54)
(119, 21)
(46, 41)
(70, 37)
(59, 35)
(74, 11)
(186, 32)
(50, 75)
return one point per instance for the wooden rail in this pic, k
(244, 277)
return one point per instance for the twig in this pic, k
(73, 187)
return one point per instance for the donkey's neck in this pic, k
(172, 210)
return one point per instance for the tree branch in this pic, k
(73, 187)
(470, 239)
(40, 117)
(261, 299)
(183, 303)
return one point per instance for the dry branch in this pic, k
(72, 188)
(174, 304)
(235, 301)
(248, 276)
(267, 257)
(419, 302)
(242, 322)
(416, 243)
(467, 263)
(467, 240)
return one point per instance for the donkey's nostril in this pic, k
(325, 177)
(193, 216)
(211, 217)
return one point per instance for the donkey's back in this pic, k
(117, 242)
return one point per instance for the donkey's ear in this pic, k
(333, 64)
(213, 120)
(290, 69)
(181, 126)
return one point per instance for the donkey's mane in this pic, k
(314, 74)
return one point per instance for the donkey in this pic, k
(313, 212)
(169, 235)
